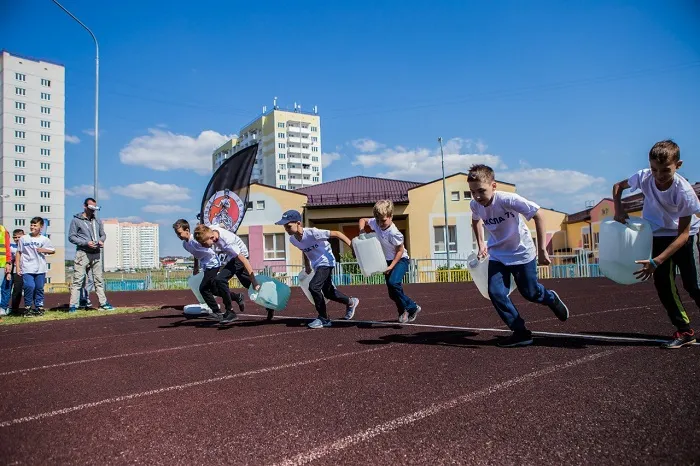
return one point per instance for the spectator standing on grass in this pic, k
(88, 235)
(6, 257)
(31, 261)
(17, 281)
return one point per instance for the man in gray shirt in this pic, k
(88, 235)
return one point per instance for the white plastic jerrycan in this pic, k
(273, 294)
(622, 244)
(369, 253)
(194, 282)
(304, 281)
(479, 270)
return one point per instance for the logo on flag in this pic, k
(224, 208)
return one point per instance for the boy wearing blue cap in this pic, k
(319, 256)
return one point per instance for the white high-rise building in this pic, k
(131, 245)
(289, 155)
(32, 150)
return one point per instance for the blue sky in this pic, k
(563, 98)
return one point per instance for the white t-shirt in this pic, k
(33, 261)
(509, 240)
(227, 244)
(390, 239)
(206, 256)
(234, 238)
(314, 243)
(663, 208)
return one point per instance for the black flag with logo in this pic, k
(226, 197)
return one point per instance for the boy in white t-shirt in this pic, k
(396, 257)
(511, 251)
(31, 265)
(671, 206)
(319, 256)
(205, 258)
(223, 241)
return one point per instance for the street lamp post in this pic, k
(444, 200)
(97, 89)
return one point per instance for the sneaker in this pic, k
(559, 308)
(413, 314)
(72, 309)
(350, 312)
(215, 315)
(516, 339)
(270, 314)
(229, 317)
(320, 323)
(40, 311)
(107, 307)
(403, 317)
(239, 300)
(4, 312)
(680, 339)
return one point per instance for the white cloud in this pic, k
(91, 132)
(131, 219)
(329, 157)
(424, 164)
(162, 125)
(164, 209)
(72, 139)
(87, 190)
(163, 150)
(367, 145)
(153, 191)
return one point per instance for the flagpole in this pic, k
(444, 200)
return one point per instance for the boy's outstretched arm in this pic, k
(342, 237)
(363, 223)
(478, 228)
(620, 214)
(542, 255)
(249, 269)
(649, 266)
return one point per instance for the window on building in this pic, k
(45, 124)
(314, 149)
(45, 138)
(20, 178)
(20, 149)
(20, 120)
(281, 135)
(46, 152)
(596, 240)
(44, 209)
(314, 139)
(20, 135)
(20, 207)
(20, 193)
(249, 206)
(20, 164)
(46, 194)
(45, 82)
(283, 166)
(455, 195)
(439, 232)
(46, 110)
(45, 180)
(45, 96)
(282, 156)
(467, 195)
(280, 125)
(244, 238)
(586, 239)
(274, 246)
(282, 145)
(20, 77)
(283, 177)
(20, 91)
(314, 159)
(19, 222)
(283, 186)
(45, 166)
(314, 129)
(260, 205)
(315, 180)
(20, 106)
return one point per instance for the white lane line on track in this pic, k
(117, 399)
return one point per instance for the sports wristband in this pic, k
(653, 264)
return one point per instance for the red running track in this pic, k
(159, 389)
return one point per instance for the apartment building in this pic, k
(131, 246)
